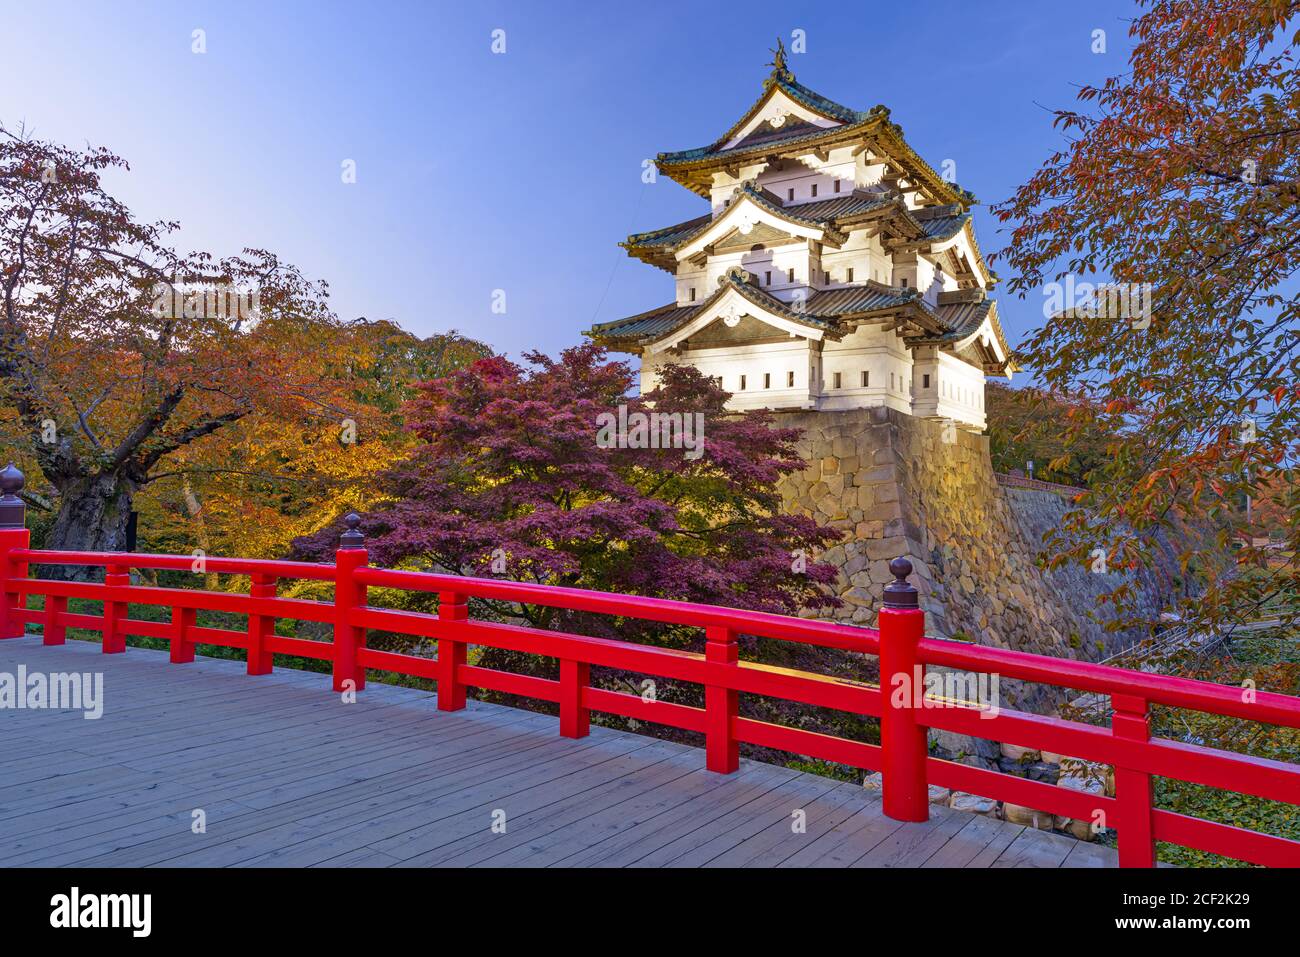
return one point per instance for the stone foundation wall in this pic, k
(902, 486)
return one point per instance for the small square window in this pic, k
(837, 380)
(767, 380)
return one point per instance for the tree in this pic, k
(117, 353)
(265, 481)
(1030, 424)
(510, 477)
(1180, 181)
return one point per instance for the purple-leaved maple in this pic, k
(507, 479)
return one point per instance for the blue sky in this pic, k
(519, 171)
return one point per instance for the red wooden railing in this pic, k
(902, 756)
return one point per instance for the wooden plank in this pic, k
(1087, 854)
(429, 825)
(771, 824)
(288, 775)
(913, 843)
(1035, 848)
(750, 783)
(967, 844)
(586, 820)
(846, 842)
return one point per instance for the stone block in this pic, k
(1019, 814)
(972, 803)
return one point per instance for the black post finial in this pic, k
(353, 537)
(13, 511)
(900, 593)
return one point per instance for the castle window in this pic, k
(791, 275)
(837, 380)
(767, 278)
(837, 186)
(742, 383)
(925, 382)
(866, 378)
(789, 193)
(692, 294)
(789, 380)
(848, 274)
(814, 189)
(767, 380)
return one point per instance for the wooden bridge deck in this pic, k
(286, 774)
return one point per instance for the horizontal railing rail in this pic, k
(906, 711)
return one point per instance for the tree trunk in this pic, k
(92, 517)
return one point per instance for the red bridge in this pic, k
(288, 778)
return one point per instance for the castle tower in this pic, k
(835, 269)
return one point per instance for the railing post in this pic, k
(452, 607)
(115, 576)
(13, 534)
(55, 632)
(575, 720)
(721, 749)
(260, 627)
(902, 737)
(182, 648)
(1133, 792)
(349, 639)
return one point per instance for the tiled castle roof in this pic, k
(824, 310)
(690, 167)
(839, 213)
(783, 80)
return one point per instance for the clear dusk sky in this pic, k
(519, 171)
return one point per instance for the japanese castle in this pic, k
(834, 270)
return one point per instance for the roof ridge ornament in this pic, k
(779, 69)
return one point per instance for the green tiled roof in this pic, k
(854, 300)
(962, 318)
(692, 167)
(784, 81)
(823, 310)
(821, 213)
(646, 325)
(670, 235)
(944, 227)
